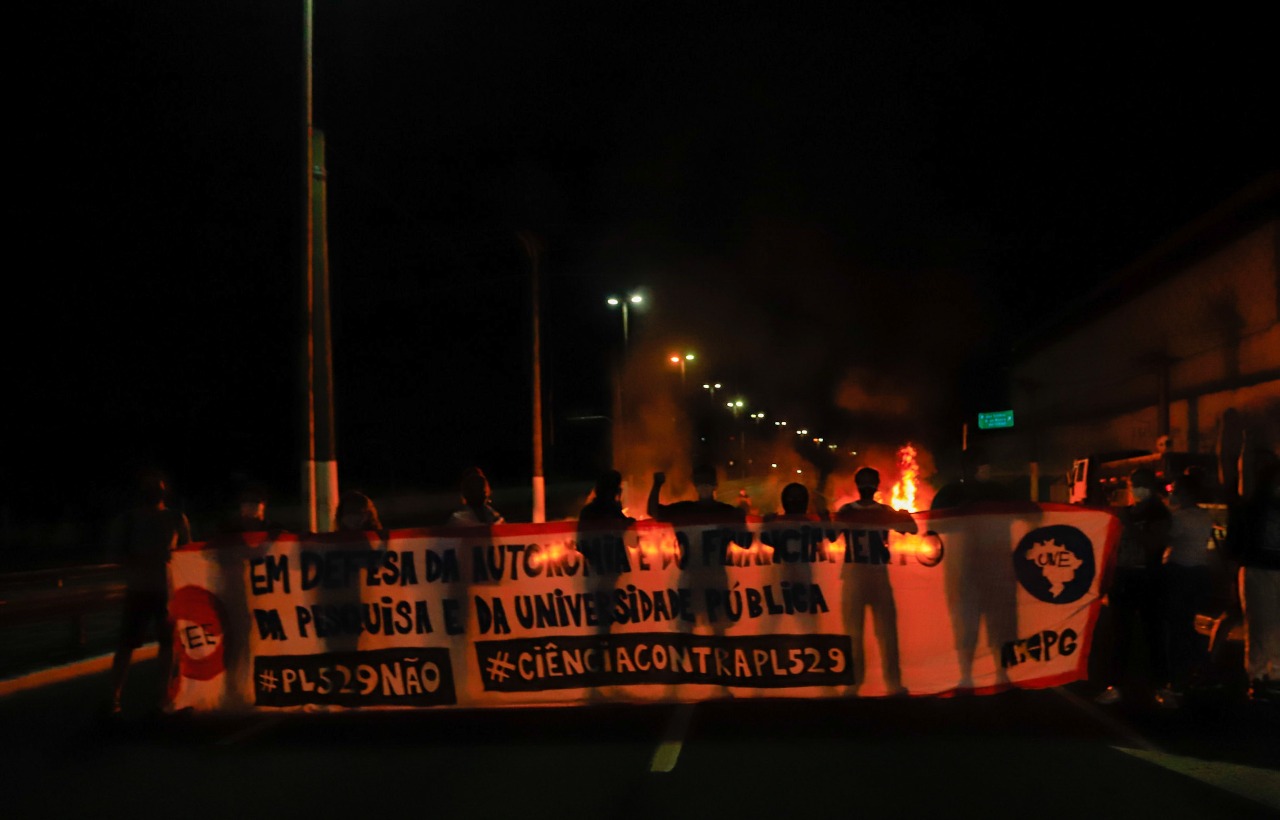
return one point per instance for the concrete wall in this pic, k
(1206, 337)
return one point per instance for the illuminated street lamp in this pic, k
(624, 302)
(712, 388)
(676, 358)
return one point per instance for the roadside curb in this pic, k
(69, 671)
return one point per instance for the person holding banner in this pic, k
(357, 513)
(144, 538)
(868, 585)
(1253, 539)
(705, 509)
(1186, 582)
(1134, 597)
(477, 506)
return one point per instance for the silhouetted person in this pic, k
(979, 581)
(606, 500)
(356, 513)
(1253, 540)
(477, 506)
(703, 571)
(602, 527)
(146, 536)
(1134, 598)
(251, 514)
(791, 548)
(795, 505)
(1186, 582)
(867, 582)
(706, 509)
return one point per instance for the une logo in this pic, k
(1055, 564)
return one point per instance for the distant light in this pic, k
(819, 440)
(675, 360)
(738, 403)
(613, 301)
(728, 404)
(798, 472)
(688, 357)
(774, 466)
(853, 452)
(636, 299)
(831, 446)
(761, 415)
(783, 423)
(706, 387)
(717, 385)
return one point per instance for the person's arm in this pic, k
(903, 522)
(184, 530)
(655, 507)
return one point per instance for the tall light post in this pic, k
(623, 302)
(533, 248)
(682, 361)
(619, 406)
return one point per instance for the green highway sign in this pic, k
(996, 420)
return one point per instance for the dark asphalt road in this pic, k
(1041, 754)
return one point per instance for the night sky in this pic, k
(851, 212)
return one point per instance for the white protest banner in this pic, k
(980, 600)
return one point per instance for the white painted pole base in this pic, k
(539, 499)
(326, 495)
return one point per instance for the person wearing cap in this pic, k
(867, 582)
(1134, 598)
(477, 506)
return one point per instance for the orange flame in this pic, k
(908, 484)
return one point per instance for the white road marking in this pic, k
(667, 754)
(1253, 782)
(1256, 783)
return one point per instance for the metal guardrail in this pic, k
(60, 594)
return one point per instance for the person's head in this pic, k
(867, 480)
(152, 489)
(356, 513)
(1186, 491)
(475, 487)
(795, 499)
(705, 480)
(609, 486)
(1143, 484)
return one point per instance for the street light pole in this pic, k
(533, 248)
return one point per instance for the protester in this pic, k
(144, 537)
(356, 513)
(1186, 582)
(477, 506)
(250, 514)
(705, 509)
(795, 505)
(606, 500)
(867, 585)
(1253, 540)
(1134, 597)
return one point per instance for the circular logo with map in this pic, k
(1055, 564)
(197, 617)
